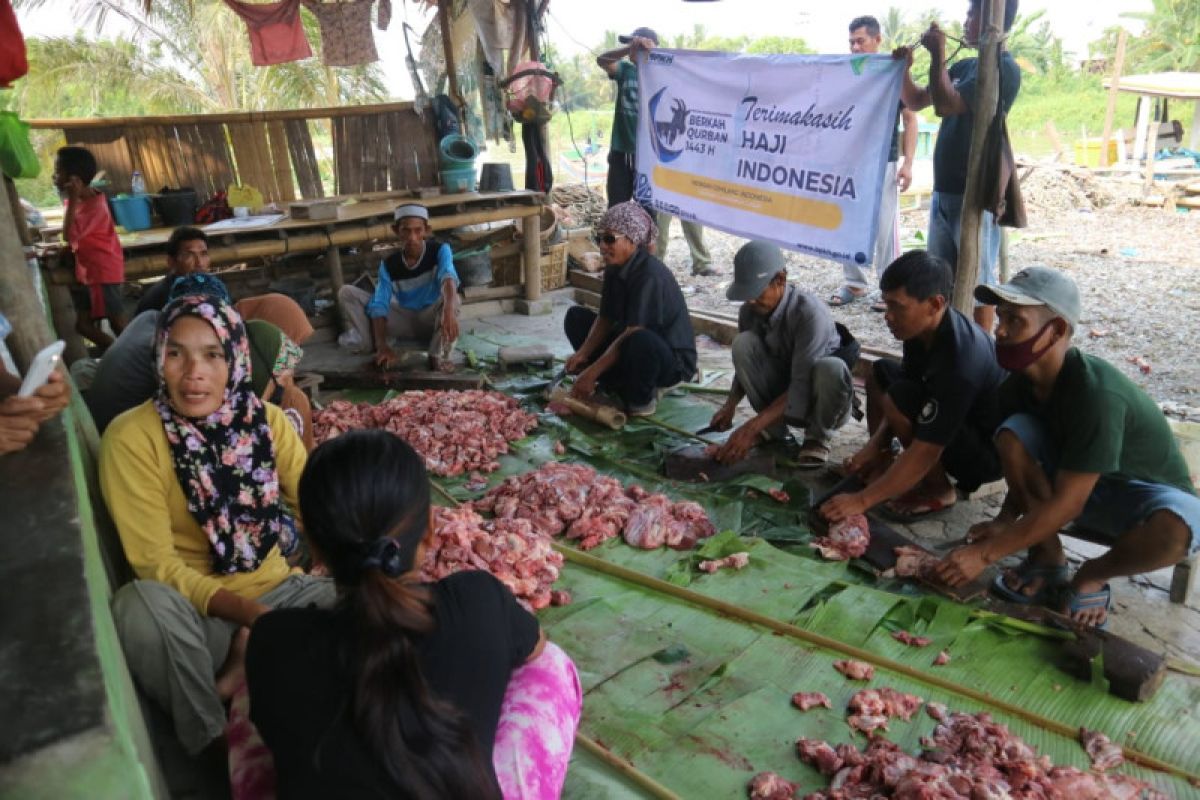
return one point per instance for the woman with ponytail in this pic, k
(397, 691)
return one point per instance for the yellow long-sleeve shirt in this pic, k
(162, 540)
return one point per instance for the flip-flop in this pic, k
(1077, 602)
(812, 455)
(925, 506)
(842, 297)
(1053, 576)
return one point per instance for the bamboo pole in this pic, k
(675, 429)
(1113, 90)
(226, 117)
(987, 94)
(531, 258)
(754, 618)
(18, 295)
(626, 768)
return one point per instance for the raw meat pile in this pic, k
(968, 756)
(572, 499)
(510, 549)
(454, 432)
(845, 540)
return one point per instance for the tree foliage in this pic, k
(1171, 39)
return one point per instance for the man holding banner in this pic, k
(951, 92)
(622, 168)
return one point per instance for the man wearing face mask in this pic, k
(939, 401)
(1080, 443)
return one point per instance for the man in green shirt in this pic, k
(622, 167)
(1080, 443)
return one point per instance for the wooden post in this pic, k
(987, 95)
(531, 230)
(443, 14)
(18, 294)
(1113, 89)
(1151, 149)
(1004, 267)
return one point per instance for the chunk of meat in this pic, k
(867, 723)
(936, 711)
(1104, 754)
(733, 561)
(845, 540)
(819, 755)
(886, 701)
(942, 659)
(912, 562)
(770, 786)
(560, 597)
(806, 700)
(855, 670)
(779, 495)
(907, 638)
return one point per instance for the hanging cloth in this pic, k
(276, 33)
(346, 38)
(385, 15)
(13, 63)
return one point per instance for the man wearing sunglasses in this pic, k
(641, 342)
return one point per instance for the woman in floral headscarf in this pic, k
(201, 482)
(642, 341)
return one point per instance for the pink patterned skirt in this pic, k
(533, 740)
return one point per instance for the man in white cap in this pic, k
(416, 296)
(789, 358)
(1080, 443)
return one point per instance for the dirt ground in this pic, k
(1136, 268)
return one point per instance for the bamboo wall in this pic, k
(375, 148)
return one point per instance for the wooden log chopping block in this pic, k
(605, 415)
(531, 354)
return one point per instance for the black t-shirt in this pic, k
(960, 378)
(301, 687)
(643, 293)
(954, 136)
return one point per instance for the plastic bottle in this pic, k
(137, 183)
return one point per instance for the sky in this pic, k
(574, 25)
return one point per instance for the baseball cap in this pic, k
(755, 264)
(645, 33)
(1036, 286)
(411, 210)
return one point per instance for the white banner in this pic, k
(791, 149)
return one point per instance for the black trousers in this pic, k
(970, 457)
(622, 173)
(646, 362)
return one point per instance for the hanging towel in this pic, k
(276, 34)
(346, 38)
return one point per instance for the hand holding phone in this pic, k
(39, 371)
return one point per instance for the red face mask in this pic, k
(1016, 357)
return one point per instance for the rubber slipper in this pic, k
(924, 506)
(812, 455)
(1077, 602)
(842, 297)
(1053, 577)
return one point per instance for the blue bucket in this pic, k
(132, 213)
(456, 151)
(458, 179)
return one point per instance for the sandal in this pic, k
(1076, 602)
(812, 455)
(843, 297)
(1053, 576)
(918, 506)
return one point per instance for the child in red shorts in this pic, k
(99, 262)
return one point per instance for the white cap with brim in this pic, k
(411, 210)
(755, 264)
(1036, 286)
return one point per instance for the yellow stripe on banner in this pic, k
(802, 210)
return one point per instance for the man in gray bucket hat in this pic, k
(790, 359)
(1082, 443)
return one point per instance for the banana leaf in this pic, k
(704, 725)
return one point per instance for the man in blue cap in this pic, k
(789, 358)
(1081, 443)
(622, 146)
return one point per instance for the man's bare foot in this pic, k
(233, 671)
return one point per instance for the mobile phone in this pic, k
(39, 371)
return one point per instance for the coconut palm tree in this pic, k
(1171, 39)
